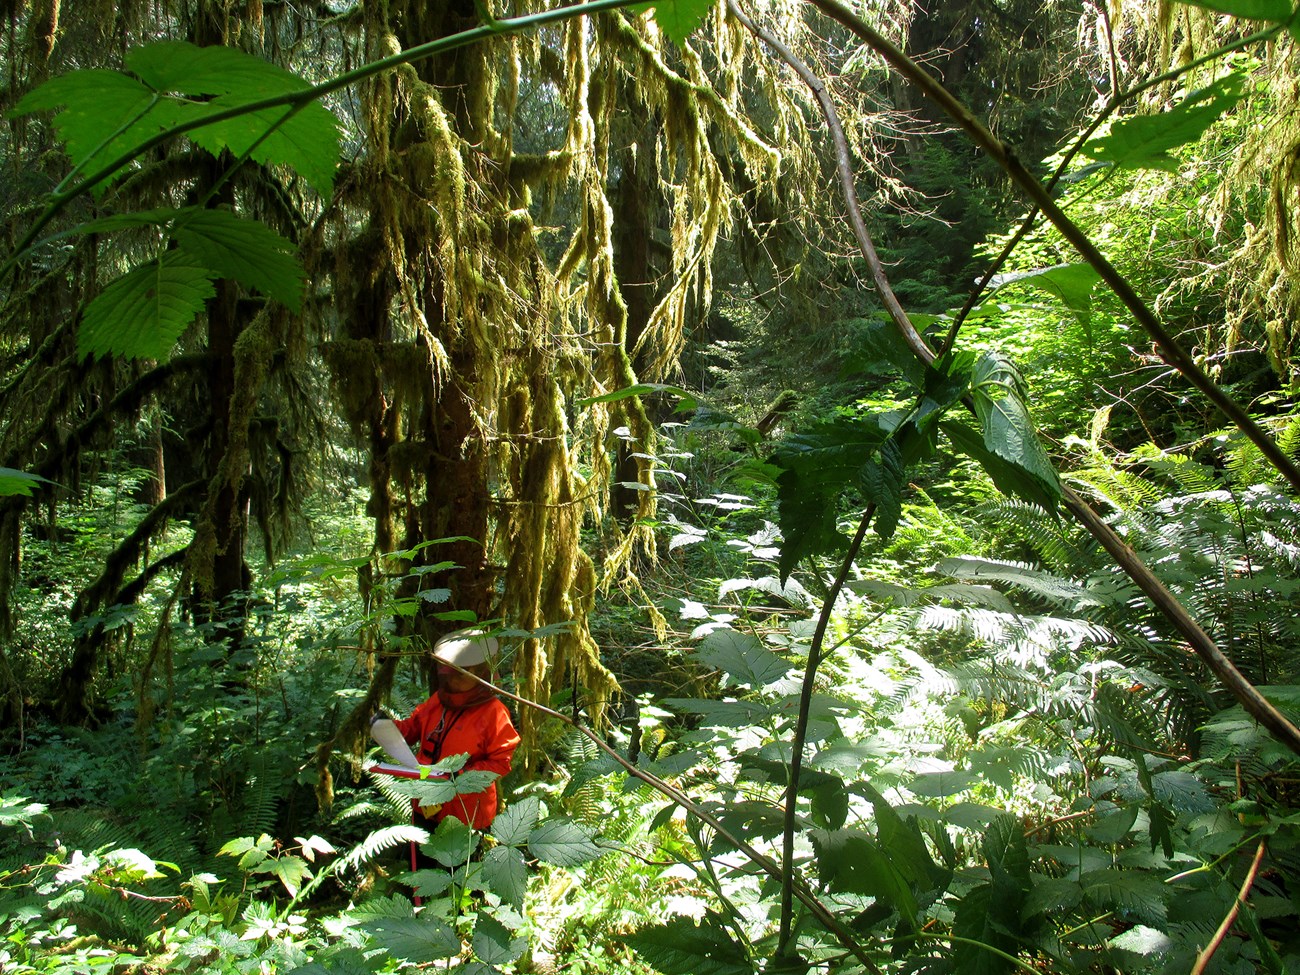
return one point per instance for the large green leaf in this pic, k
(678, 19)
(721, 714)
(742, 658)
(18, 482)
(1071, 283)
(507, 874)
(998, 394)
(1131, 891)
(1007, 856)
(850, 861)
(415, 939)
(680, 947)
(451, 843)
(939, 785)
(494, 943)
(306, 140)
(105, 113)
(562, 843)
(144, 312)
(185, 68)
(907, 848)
(879, 349)
(882, 479)
(1278, 11)
(516, 821)
(816, 468)
(250, 252)
(982, 919)
(1051, 896)
(1009, 478)
(1144, 141)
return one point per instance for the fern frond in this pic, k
(263, 791)
(381, 840)
(1041, 532)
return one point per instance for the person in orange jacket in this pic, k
(463, 717)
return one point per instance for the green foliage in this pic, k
(1145, 141)
(1010, 761)
(107, 118)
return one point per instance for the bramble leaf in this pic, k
(250, 252)
(494, 943)
(18, 482)
(516, 821)
(562, 843)
(1144, 141)
(682, 948)
(678, 19)
(104, 113)
(144, 312)
(504, 869)
(185, 68)
(742, 657)
(415, 939)
(307, 140)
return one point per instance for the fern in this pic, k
(381, 840)
(262, 793)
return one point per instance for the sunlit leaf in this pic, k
(998, 394)
(14, 482)
(306, 140)
(185, 68)
(451, 843)
(1071, 283)
(246, 250)
(562, 843)
(104, 113)
(721, 714)
(1144, 141)
(494, 943)
(415, 939)
(681, 947)
(678, 19)
(1142, 940)
(937, 785)
(741, 657)
(516, 821)
(144, 312)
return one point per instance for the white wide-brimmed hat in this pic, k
(465, 648)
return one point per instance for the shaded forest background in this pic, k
(568, 332)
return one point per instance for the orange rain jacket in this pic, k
(484, 732)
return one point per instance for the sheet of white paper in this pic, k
(390, 740)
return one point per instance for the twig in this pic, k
(1203, 959)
